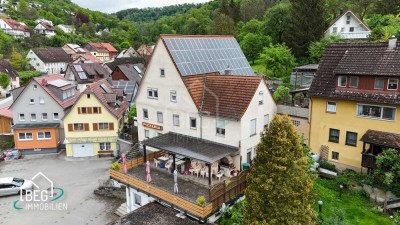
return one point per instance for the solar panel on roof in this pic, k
(105, 88)
(78, 68)
(137, 69)
(59, 83)
(82, 75)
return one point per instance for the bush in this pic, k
(325, 165)
(232, 216)
(201, 201)
(342, 180)
(116, 166)
(363, 193)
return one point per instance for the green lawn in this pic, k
(258, 66)
(356, 209)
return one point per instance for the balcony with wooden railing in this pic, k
(185, 199)
(368, 161)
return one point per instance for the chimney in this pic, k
(392, 43)
(227, 71)
(341, 11)
(44, 82)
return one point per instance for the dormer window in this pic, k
(379, 82)
(353, 82)
(342, 81)
(392, 84)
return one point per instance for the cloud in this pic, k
(110, 6)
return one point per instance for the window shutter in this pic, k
(89, 110)
(70, 127)
(86, 125)
(111, 126)
(95, 126)
(99, 110)
(79, 110)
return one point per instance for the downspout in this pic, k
(201, 106)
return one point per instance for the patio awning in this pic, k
(385, 139)
(191, 147)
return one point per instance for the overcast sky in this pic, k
(110, 6)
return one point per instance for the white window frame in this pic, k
(253, 129)
(397, 84)
(329, 107)
(175, 120)
(162, 72)
(334, 30)
(35, 87)
(56, 117)
(383, 83)
(266, 120)
(249, 150)
(351, 29)
(34, 114)
(105, 126)
(146, 133)
(145, 111)
(31, 101)
(339, 85)
(377, 118)
(19, 117)
(44, 135)
(160, 117)
(190, 123)
(25, 139)
(261, 98)
(220, 127)
(104, 146)
(43, 116)
(173, 95)
(151, 92)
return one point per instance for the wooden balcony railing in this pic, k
(218, 194)
(368, 161)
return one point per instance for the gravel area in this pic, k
(153, 214)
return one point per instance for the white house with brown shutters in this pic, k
(92, 125)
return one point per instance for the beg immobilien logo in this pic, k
(42, 197)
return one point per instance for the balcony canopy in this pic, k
(192, 147)
(385, 139)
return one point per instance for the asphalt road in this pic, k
(78, 178)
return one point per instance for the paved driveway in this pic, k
(78, 178)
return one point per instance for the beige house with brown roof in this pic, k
(217, 99)
(93, 123)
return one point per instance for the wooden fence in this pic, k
(227, 191)
(140, 160)
(176, 201)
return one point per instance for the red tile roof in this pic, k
(103, 97)
(16, 25)
(222, 95)
(53, 77)
(6, 112)
(103, 47)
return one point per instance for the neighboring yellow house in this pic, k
(93, 123)
(355, 104)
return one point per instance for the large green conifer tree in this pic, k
(307, 24)
(279, 181)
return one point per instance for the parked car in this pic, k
(13, 185)
(12, 154)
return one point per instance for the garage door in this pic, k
(82, 150)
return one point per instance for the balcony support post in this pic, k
(144, 153)
(209, 174)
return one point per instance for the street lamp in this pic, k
(320, 203)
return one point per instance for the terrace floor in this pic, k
(190, 187)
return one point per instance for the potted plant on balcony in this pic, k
(201, 200)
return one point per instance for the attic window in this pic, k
(342, 81)
(88, 95)
(34, 86)
(162, 72)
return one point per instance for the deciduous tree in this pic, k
(4, 80)
(279, 181)
(317, 48)
(252, 45)
(278, 60)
